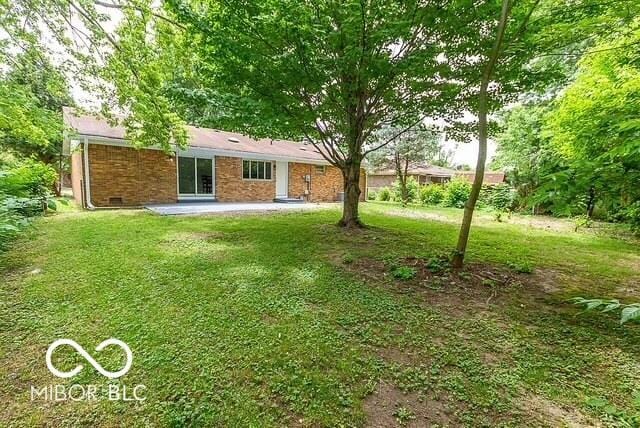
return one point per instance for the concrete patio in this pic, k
(195, 208)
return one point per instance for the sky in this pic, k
(467, 153)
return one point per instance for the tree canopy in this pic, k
(580, 151)
(32, 93)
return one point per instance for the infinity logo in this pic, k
(85, 354)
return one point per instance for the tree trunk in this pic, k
(58, 190)
(591, 204)
(483, 131)
(402, 181)
(351, 176)
(470, 205)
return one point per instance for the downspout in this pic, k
(87, 184)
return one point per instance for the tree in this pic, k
(330, 72)
(523, 151)
(571, 153)
(413, 147)
(32, 93)
(503, 41)
(594, 127)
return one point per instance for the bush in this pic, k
(403, 273)
(10, 224)
(28, 179)
(384, 194)
(432, 194)
(25, 189)
(372, 195)
(413, 190)
(501, 197)
(632, 216)
(456, 193)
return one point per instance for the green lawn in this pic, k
(284, 320)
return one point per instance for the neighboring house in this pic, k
(424, 174)
(428, 174)
(107, 171)
(490, 177)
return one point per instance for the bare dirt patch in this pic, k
(477, 285)
(388, 406)
(545, 410)
(407, 357)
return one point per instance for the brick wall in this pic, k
(149, 176)
(376, 182)
(379, 181)
(324, 187)
(137, 176)
(231, 187)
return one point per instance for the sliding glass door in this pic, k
(195, 177)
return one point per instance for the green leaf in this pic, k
(630, 313)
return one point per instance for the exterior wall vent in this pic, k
(115, 201)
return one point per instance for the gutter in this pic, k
(110, 141)
(87, 184)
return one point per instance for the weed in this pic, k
(404, 273)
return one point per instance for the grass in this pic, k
(284, 319)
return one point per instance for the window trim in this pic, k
(323, 172)
(195, 162)
(271, 164)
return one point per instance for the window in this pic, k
(195, 176)
(321, 169)
(204, 176)
(186, 175)
(256, 170)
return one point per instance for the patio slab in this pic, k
(195, 208)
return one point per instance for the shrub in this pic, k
(501, 197)
(632, 216)
(413, 189)
(384, 194)
(372, 195)
(520, 267)
(456, 193)
(24, 192)
(10, 223)
(348, 258)
(582, 222)
(432, 194)
(403, 272)
(28, 179)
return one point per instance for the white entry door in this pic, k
(282, 179)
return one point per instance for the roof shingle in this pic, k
(206, 138)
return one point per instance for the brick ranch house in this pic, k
(423, 174)
(106, 171)
(429, 174)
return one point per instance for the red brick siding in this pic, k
(149, 176)
(489, 177)
(231, 187)
(137, 176)
(323, 187)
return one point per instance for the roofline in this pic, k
(110, 141)
(433, 174)
(473, 172)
